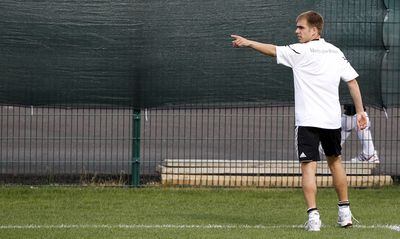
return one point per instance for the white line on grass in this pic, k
(391, 227)
(150, 226)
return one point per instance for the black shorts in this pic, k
(309, 138)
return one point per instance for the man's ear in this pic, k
(315, 30)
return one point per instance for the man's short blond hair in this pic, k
(314, 19)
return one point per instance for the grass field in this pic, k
(76, 212)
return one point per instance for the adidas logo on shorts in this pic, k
(303, 155)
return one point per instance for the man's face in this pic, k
(304, 32)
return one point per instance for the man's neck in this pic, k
(316, 38)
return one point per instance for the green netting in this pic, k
(391, 61)
(176, 52)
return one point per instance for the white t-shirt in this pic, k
(317, 68)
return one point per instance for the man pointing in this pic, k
(318, 67)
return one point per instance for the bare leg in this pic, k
(309, 183)
(339, 177)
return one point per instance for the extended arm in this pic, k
(356, 95)
(266, 49)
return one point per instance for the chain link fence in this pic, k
(184, 146)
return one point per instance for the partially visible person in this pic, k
(368, 153)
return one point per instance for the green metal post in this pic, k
(136, 148)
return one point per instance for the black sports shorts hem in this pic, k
(308, 140)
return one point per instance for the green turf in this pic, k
(158, 206)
